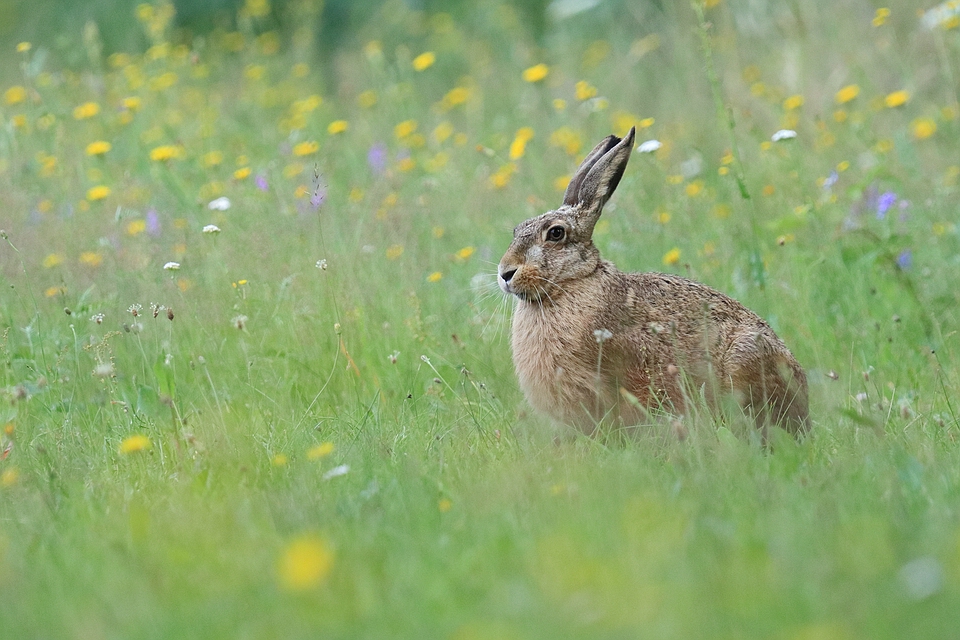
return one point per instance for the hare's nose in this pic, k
(507, 275)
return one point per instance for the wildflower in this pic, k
(52, 260)
(464, 253)
(320, 451)
(242, 173)
(240, 322)
(279, 460)
(23, 47)
(519, 144)
(884, 202)
(583, 90)
(393, 357)
(98, 192)
(304, 564)
(649, 146)
(9, 477)
(444, 505)
(568, 139)
(136, 227)
(86, 110)
(559, 104)
(377, 157)
(792, 103)
(435, 276)
(455, 97)
(165, 152)
(404, 129)
(91, 258)
(135, 309)
(880, 16)
(212, 158)
(367, 99)
(219, 204)
(337, 471)
(98, 148)
(671, 257)
(261, 182)
(897, 99)
(132, 444)
(847, 94)
(15, 95)
(536, 73)
(305, 148)
(424, 61)
(694, 188)
(322, 264)
(337, 126)
(104, 369)
(394, 251)
(212, 229)
(602, 335)
(783, 134)
(171, 266)
(97, 317)
(923, 128)
(905, 259)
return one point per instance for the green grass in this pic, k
(461, 514)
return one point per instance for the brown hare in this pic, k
(593, 344)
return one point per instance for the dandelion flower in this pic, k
(212, 229)
(132, 444)
(98, 148)
(305, 148)
(52, 260)
(172, 266)
(465, 253)
(424, 61)
(583, 90)
(320, 451)
(98, 192)
(880, 17)
(649, 146)
(536, 73)
(86, 110)
(165, 152)
(304, 564)
(923, 128)
(783, 134)
(242, 173)
(337, 126)
(405, 129)
(219, 204)
(15, 95)
(436, 276)
(847, 94)
(671, 257)
(91, 258)
(394, 251)
(23, 47)
(792, 103)
(897, 99)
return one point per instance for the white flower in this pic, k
(602, 335)
(783, 134)
(322, 264)
(98, 318)
(342, 470)
(103, 369)
(649, 146)
(211, 228)
(220, 204)
(172, 266)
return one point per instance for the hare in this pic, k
(591, 343)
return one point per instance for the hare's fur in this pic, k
(592, 343)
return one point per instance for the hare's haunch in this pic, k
(592, 343)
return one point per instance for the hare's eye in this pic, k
(556, 233)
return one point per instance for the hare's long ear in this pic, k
(601, 179)
(570, 195)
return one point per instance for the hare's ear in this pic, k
(602, 178)
(570, 196)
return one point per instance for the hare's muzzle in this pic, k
(505, 276)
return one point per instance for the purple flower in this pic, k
(884, 203)
(261, 182)
(377, 157)
(319, 197)
(905, 259)
(153, 222)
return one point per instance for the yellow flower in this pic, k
(456, 96)
(923, 128)
(91, 258)
(536, 73)
(98, 192)
(300, 70)
(405, 128)
(881, 16)
(444, 505)
(136, 227)
(15, 95)
(320, 451)
(464, 253)
(646, 122)
(583, 90)
(54, 291)
(501, 177)
(847, 94)
(768, 190)
(132, 444)
(843, 165)
(394, 251)
(165, 152)
(560, 183)
(304, 564)
(212, 158)
(86, 110)
(241, 173)
(424, 61)
(367, 99)
(671, 257)
(793, 102)
(840, 116)
(519, 144)
(23, 47)
(9, 477)
(306, 105)
(98, 148)
(694, 188)
(305, 148)
(52, 260)
(256, 8)
(337, 126)
(443, 131)
(663, 217)
(897, 99)
(279, 460)
(434, 277)
(292, 170)
(132, 103)
(559, 104)
(566, 138)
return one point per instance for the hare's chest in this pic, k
(555, 375)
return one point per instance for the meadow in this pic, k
(256, 373)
